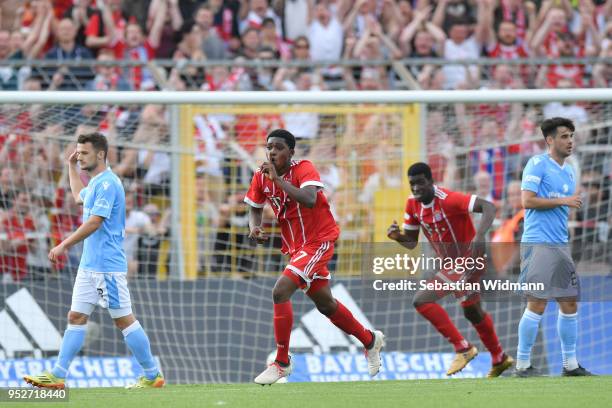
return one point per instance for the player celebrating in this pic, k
(445, 218)
(308, 232)
(101, 278)
(548, 192)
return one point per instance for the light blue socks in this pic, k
(74, 336)
(138, 343)
(567, 327)
(528, 331)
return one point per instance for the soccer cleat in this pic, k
(144, 382)
(497, 369)
(45, 380)
(526, 372)
(273, 373)
(462, 359)
(373, 353)
(577, 372)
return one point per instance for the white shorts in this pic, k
(107, 289)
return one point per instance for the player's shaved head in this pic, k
(285, 135)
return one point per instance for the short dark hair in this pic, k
(549, 126)
(420, 168)
(283, 134)
(97, 140)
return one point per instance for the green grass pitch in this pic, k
(554, 392)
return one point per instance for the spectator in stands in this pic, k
(230, 242)
(573, 111)
(66, 49)
(421, 39)
(250, 44)
(271, 38)
(226, 22)
(211, 43)
(81, 11)
(505, 249)
(107, 78)
(358, 16)
(172, 26)
(303, 125)
(18, 225)
(137, 224)
(522, 15)
(460, 45)
(301, 49)
(506, 43)
(153, 166)
(137, 47)
(294, 14)
(602, 72)
(106, 28)
(150, 245)
(32, 46)
(325, 33)
(258, 11)
(374, 44)
(451, 12)
(8, 189)
(483, 185)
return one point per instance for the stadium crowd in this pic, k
(480, 148)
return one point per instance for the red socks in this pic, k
(487, 334)
(442, 322)
(283, 322)
(343, 319)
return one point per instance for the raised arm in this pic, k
(154, 37)
(76, 185)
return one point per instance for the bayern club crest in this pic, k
(437, 217)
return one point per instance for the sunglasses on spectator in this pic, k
(301, 45)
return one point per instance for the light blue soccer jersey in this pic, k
(545, 177)
(103, 250)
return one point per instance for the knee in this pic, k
(327, 307)
(419, 301)
(474, 314)
(77, 318)
(279, 295)
(568, 307)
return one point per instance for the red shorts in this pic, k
(467, 297)
(308, 266)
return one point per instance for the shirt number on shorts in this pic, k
(300, 255)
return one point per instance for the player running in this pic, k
(445, 218)
(308, 232)
(548, 193)
(101, 278)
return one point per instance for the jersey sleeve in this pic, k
(532, 175)
(307, 175)
(410, 221)
(255, 197)
(461, 202)
(105, 195)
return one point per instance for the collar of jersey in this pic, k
(99, 174)
(557, 164)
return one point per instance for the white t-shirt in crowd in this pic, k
(325, 42)
(456, 74)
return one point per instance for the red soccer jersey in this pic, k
(445, 220)
(299, 225)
